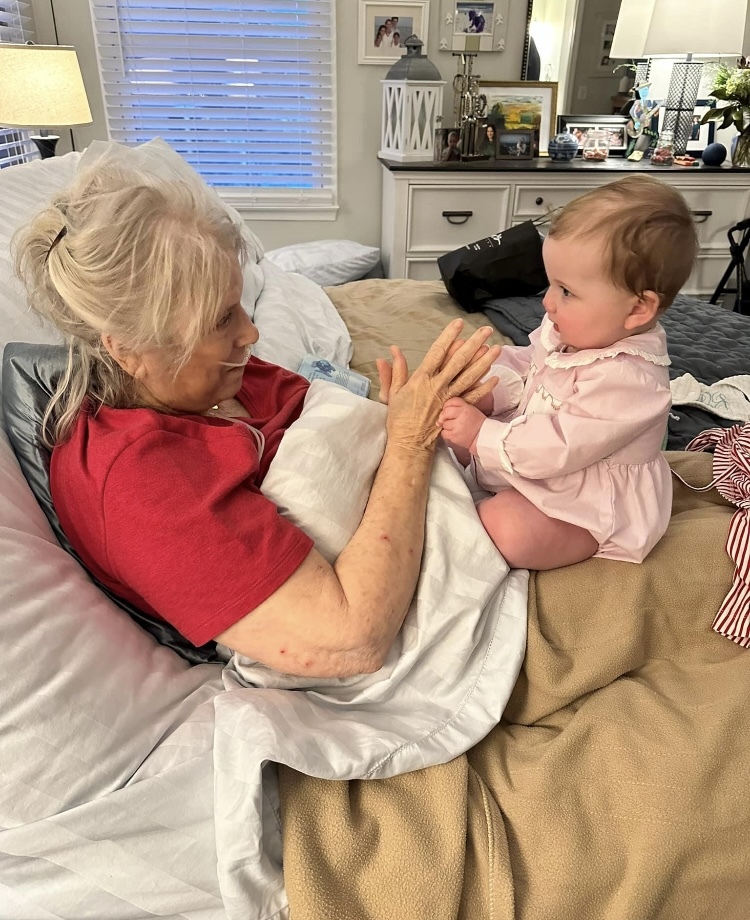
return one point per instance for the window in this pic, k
(243, 89)
(15, 146)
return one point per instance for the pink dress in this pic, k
(579, 434)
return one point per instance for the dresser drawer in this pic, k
(422, 270)
(715, 210)
(535, 201)
(473, 212)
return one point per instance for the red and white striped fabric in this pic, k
(731, 468)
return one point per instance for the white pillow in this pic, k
(86, 694)
(25, 190)
(294, 316)
(327, 262)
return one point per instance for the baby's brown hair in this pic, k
(648, 231)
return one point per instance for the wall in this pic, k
(359, 93)
(599, 84)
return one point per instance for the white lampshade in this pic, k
(41, 85)
(673, 28)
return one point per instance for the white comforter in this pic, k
(192, 830)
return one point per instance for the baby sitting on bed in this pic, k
(570, 439)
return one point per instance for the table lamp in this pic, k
(668, 28)
(41, 85)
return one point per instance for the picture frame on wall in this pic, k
(384, 28)
(473, 25)
(607, 33)
(580, 125)
(522, 105)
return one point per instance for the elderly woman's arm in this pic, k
(340, 620)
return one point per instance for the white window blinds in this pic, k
(243, 89)
(15, 26)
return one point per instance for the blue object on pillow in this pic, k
(30, 375)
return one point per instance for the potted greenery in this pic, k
(732, 86)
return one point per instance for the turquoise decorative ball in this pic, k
(562, 147)
(714, 154)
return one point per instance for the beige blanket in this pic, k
(614, 788)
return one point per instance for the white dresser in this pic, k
(429, 210)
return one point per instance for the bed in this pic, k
(605, 782)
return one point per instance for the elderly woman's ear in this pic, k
(128, 360)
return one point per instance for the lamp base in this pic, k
(683, 93)
(46, 145)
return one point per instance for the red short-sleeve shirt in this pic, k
(166, 511)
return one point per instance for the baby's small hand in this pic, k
(461, 423)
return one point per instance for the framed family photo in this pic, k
(516, 145)
(384, 27)
(447, 147)
(701, 135)
(579, 126)
(473, 25)
(524, 105)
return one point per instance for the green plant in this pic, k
(731, 85)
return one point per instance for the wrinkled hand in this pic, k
(385, 372)
(450, 368)
(461, 423)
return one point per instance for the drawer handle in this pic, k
(539, 201)
(703, 215)
(457, 217)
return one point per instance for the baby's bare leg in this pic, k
(528, 539)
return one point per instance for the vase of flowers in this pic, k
(732, 87)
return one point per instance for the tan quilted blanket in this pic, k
(614, 788)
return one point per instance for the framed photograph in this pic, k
(527, 104)
(580, 125)
(701, 135)
(447, 145)
(473, 26)
(485, 141)
(606, 35)
(384, 27)
(516, 145)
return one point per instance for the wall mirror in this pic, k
(568, 41)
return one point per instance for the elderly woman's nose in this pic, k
(249, 334)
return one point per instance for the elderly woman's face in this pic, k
(207, 377)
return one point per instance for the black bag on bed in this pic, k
(508, 264)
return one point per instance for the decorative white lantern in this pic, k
(412, 106)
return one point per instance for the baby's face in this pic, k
(587, 309)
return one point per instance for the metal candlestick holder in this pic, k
(469, 105)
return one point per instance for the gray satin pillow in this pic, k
(30, 374)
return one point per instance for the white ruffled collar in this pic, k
(651, 346)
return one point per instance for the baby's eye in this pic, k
(565, 291)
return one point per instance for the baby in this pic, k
(570, 439)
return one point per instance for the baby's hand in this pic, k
(461, 423)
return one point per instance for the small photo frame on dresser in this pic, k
(519, 144)
(580, 125)
(447, 148)
(701, 135)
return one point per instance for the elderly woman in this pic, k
(164, 425)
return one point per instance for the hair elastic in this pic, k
(60, 235)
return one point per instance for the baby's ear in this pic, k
(644, 311)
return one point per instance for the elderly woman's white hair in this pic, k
(145, 260)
